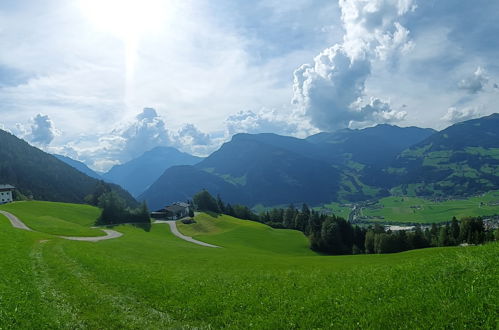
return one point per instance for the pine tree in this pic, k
(205, 202)
(289, 216)
(220, 203)
(454, 230)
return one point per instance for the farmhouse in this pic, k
(6, 193)
(175, 211)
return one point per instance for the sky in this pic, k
(103, 81)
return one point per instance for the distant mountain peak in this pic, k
(139, 173)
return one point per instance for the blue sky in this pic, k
(75, 76)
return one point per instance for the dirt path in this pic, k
(16, 223)
(174, 230)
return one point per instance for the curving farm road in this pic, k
(110, 234)
(174, 230)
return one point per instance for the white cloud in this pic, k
(379, 111)
(328, 90)
(40, 131)
(265, 121)
(455, 115)
(476, 82)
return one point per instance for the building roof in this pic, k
(6, 187)
(175, 208)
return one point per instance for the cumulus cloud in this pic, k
(192, 140)
(131, 139)
(330, 90)
(474, 83)
(146, 132)
(380, 111)
(40, 131)
(263, 121)
(455, 115)
(190, 134)
(126, 141)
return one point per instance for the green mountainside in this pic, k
(461, 160)
(44, 177)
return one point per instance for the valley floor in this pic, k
(260, 278)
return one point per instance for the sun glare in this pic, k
(127, 20)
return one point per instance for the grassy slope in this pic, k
(155, 280)
(233, 233)
(56, 218)
(411, 209)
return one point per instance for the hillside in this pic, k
(250, 170)
(139, 173)
(80, 166)
(43, 176)
(270, 169)
(373, 146)
(461, 160)
(267, 278)
(180, 183)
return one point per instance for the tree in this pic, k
(220, 204)
(403, 241)
(204, 201)
(444, 236)
(289, 216)
(418, 240)
(229, 210)
(113, 209)
(359, 238)
(434, 235)
(454, 230)
(369, 241)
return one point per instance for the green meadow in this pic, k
(260, 278)
(56, 218)
(413, 209)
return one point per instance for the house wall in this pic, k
(5, 197)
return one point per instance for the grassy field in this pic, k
(337, 209)
(412, 209)
(56, 218)
(260, 278)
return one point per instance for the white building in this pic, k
(6, 193)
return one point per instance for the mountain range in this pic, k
(347, 165)
(268, 169)
(139, 173)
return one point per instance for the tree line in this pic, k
(114, 208)
(331, 234)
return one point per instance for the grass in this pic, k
(56, 218)
(412, 209)
(337, 209)
(266, 279)
(233, 233)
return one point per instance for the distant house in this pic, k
(6, 193)
(175, 211)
